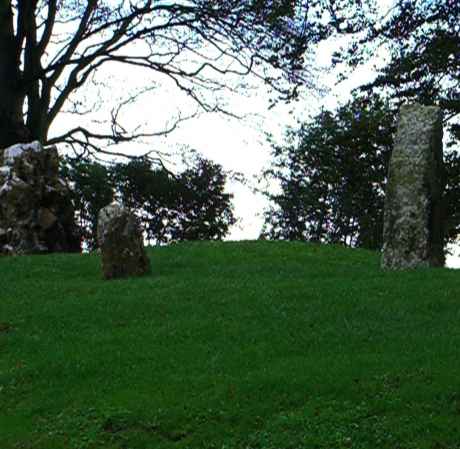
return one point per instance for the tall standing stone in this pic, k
(413, 221)
(121, 242)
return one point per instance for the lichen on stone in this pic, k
(121, 243)
(11, 153)
(412, 235)
(36, 213)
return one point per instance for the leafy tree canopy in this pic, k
(421, 39)
(191, 205)
(332, 174)
(91, 190)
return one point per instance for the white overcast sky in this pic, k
(237, 145)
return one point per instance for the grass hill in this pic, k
(251, 345)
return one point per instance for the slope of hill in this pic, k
(249, 345)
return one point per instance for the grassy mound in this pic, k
(252, 345)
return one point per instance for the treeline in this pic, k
(332, 175)
(332, 169)
(190, 205)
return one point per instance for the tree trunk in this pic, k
(12, 128)
(36, 110)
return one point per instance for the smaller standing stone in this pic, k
(122, 245)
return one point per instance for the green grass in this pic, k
(251, 345)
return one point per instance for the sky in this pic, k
(238, 145)
(241, 145)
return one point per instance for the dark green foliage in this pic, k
(91, 190)
(205, 208)
(254, 345)
(422, 38)
(192, 205)
(452, 196)
(422, 41)
(332, 174)
(152, 193)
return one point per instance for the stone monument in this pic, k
(36, 213)
(121, 242)
(413, 218)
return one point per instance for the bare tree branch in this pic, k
(203, 47)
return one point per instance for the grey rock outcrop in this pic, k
(121, 242)
(413, 226)
(36, 213)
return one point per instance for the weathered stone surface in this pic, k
(413, 227)
(36, 213)
(121, 242)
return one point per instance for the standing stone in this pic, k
(413, 227)
(36, 212)
(122, 245)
